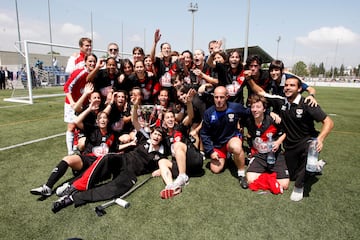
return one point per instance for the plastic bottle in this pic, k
(270, 158)
(312, 157)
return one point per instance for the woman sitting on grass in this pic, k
(99, 141)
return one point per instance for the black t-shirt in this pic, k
(116, 120)
(297, 118)
(143, 159)
(103, 79)
(95, 139)
(127, 84)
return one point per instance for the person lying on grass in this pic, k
(124, 168)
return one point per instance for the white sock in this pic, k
(241, 173)
(69, 141)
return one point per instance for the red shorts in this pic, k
(222, 152)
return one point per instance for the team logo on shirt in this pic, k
(156, 157)
(231, 117)
(146, 146)
(299, 112)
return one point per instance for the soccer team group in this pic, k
(166, 114)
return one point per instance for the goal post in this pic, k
(24, 91)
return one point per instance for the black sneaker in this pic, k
(243, 182)
(62, 203)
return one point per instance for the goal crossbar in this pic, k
(29, 99)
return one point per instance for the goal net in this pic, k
(41, 72)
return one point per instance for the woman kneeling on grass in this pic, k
(99, 141)
(263, 174)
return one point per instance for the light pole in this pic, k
(193, 8)
(333, 70)
(247, 33)
(277, 48)
(51, 47)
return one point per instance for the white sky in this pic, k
(312, 31)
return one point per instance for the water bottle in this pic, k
(270, 158)
(312, 157)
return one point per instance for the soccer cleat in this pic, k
(61, 189)
(170, 192)
(43, 190)
(297, 194)
(243, 182)
(62, 203)
(65, 189)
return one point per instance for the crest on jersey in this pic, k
(299, 112)
(231, 117)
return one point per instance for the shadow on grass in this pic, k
(309, 181)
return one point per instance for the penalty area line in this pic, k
(32, 141)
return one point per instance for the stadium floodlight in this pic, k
(193, 8)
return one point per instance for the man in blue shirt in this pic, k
(221, 136)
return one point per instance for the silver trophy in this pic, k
(145, 117)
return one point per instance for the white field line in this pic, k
(30, 142)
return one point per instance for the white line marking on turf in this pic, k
(32, 141)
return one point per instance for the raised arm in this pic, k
(79, 120)
(100, 64)
(78, 105)
(134, 114)
(157, 36)
(189, 107)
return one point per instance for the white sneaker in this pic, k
(180, 181)
(61, 189)
(297, 194)
(43, 190)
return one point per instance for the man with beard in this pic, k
(297, 118)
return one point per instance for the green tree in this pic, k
(342, 70)
(322, 69)
(300, 69)
(357, 71)
(313, 70)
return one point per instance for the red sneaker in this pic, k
(169, 192)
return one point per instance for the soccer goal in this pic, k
(43, 73)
